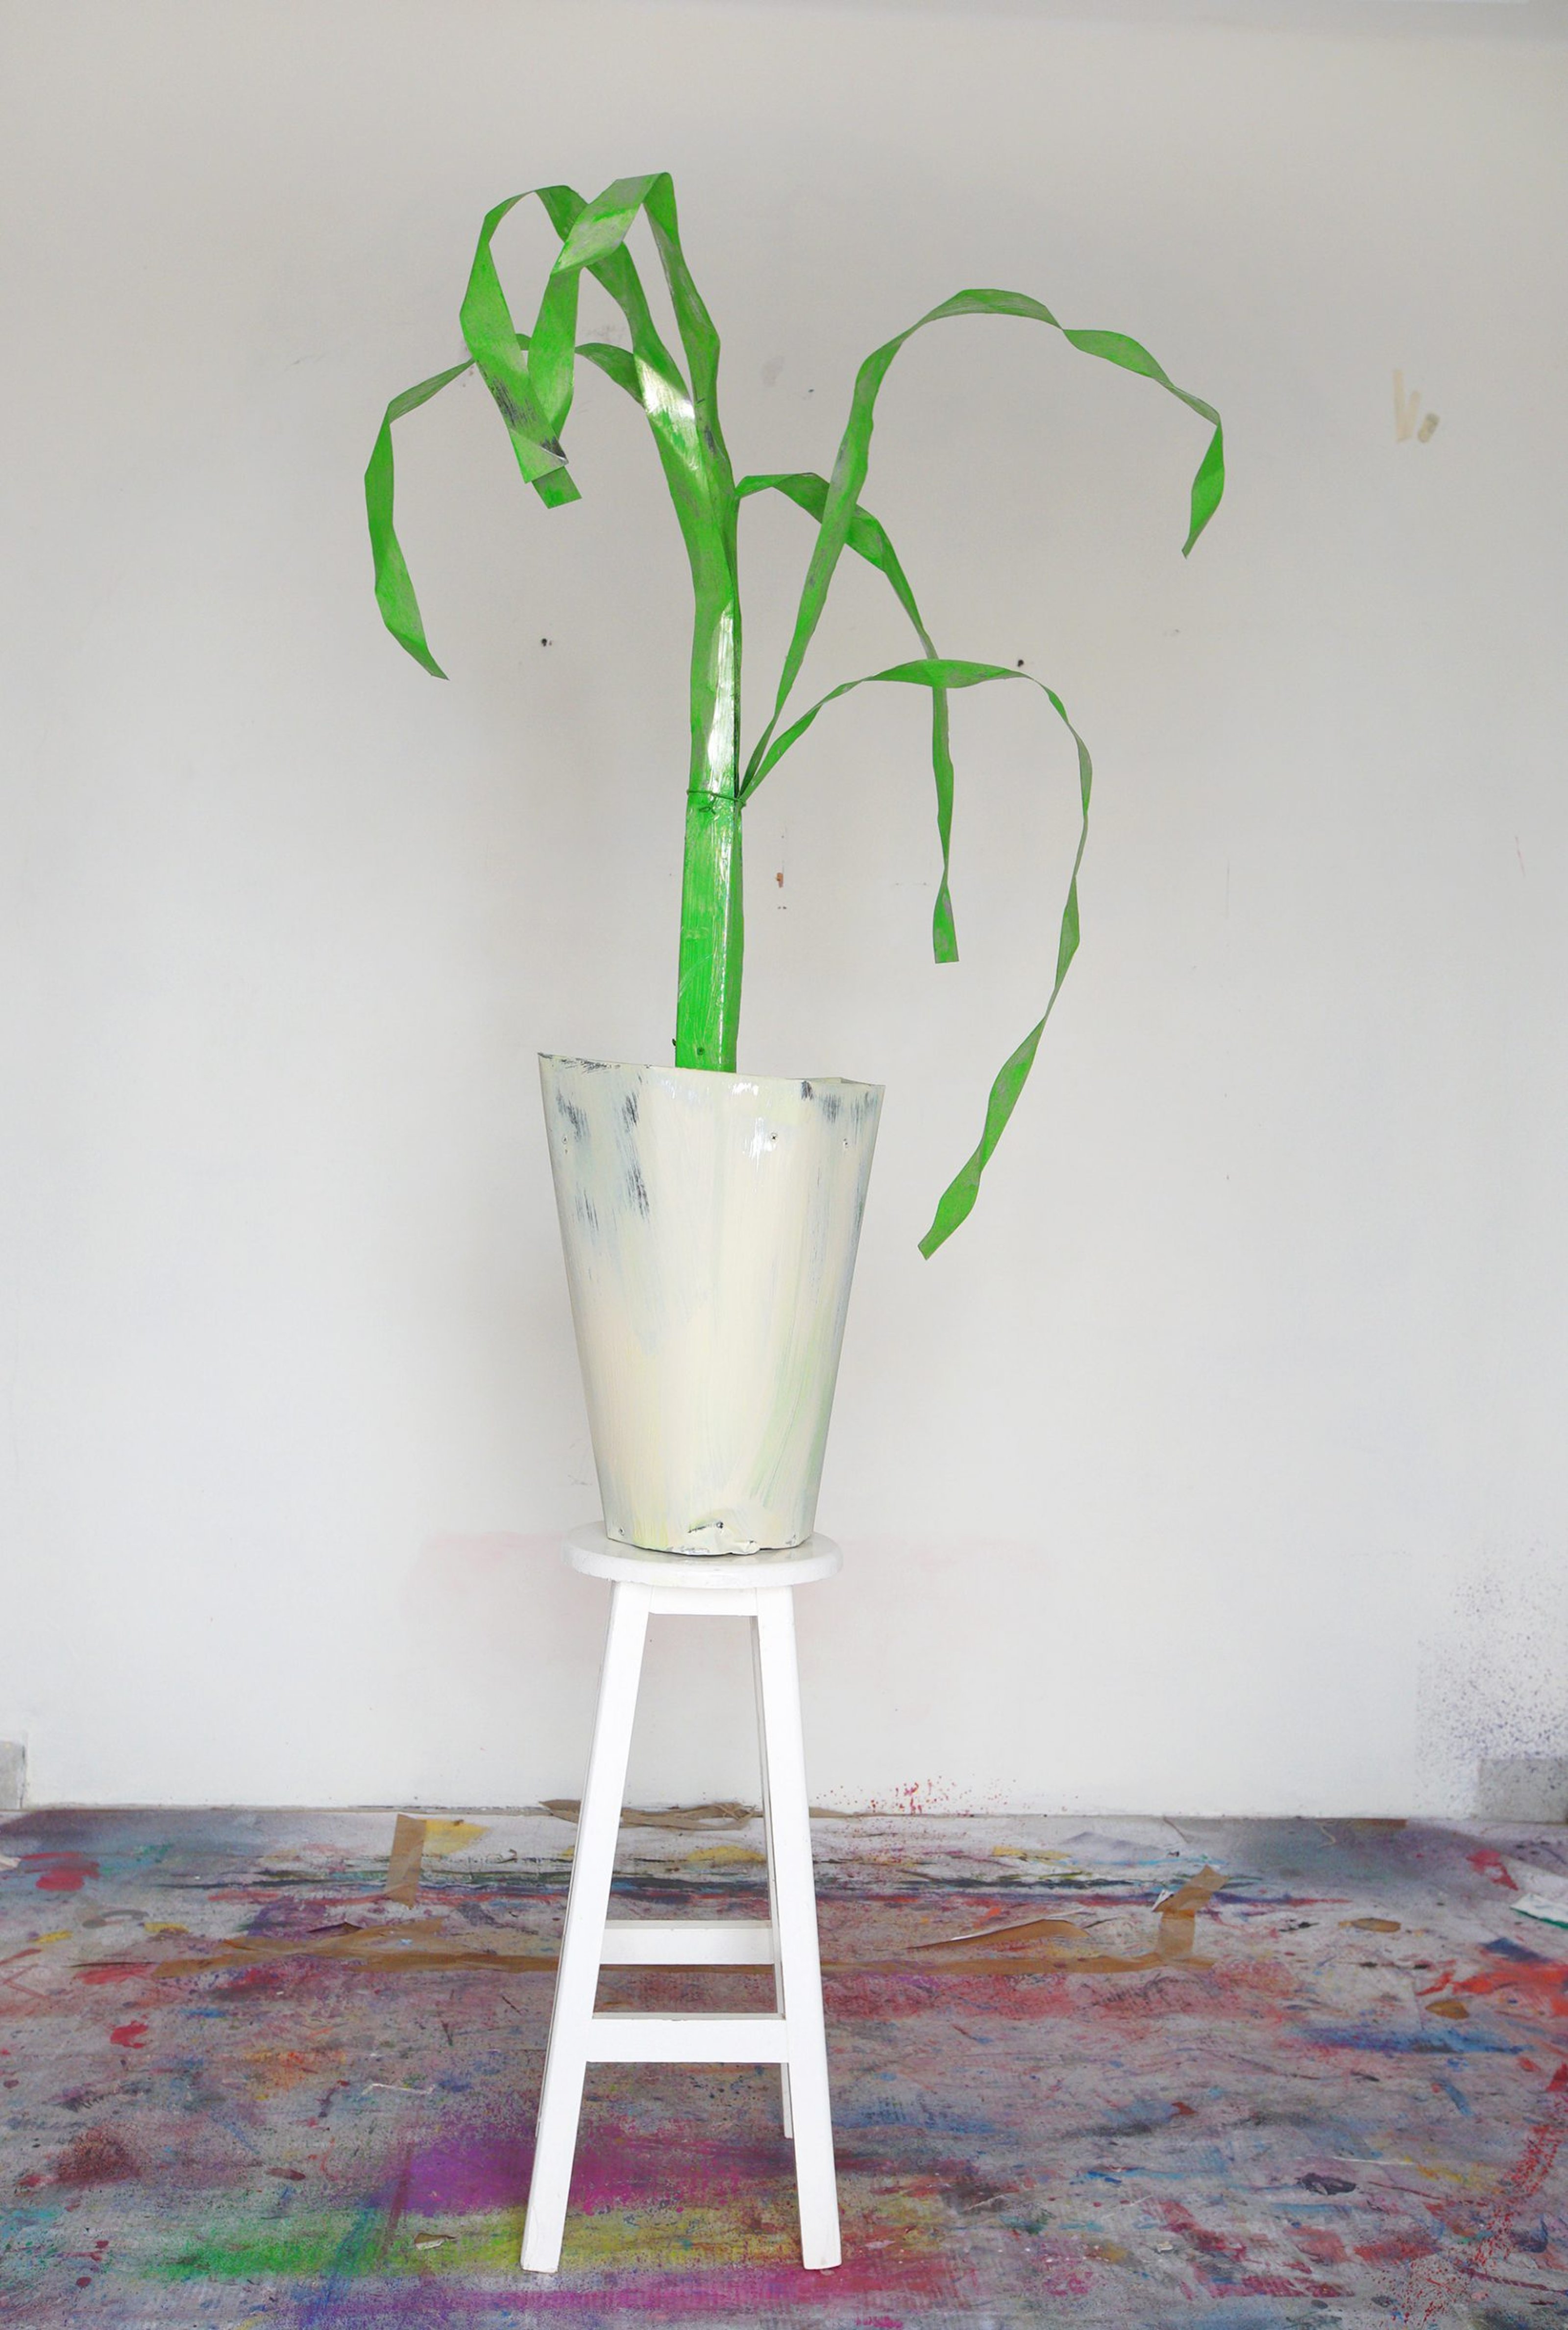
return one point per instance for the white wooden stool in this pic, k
(758, 1587)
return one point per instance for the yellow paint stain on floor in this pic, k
(275, 2070)
(424, 1943)
(1070, 1944)
(452, 1835)
(671, 2236)
(726, 1853)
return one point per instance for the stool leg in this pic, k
(767, 1850)
(583, 1942)
(784, 1761)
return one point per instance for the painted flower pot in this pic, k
(710, 1224)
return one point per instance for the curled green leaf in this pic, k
(849, 470)
(956, 1200)
(868, 538)
(394, 588)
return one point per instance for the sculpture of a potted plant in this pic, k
(711, 1219)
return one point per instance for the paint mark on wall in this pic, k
(1406, 406)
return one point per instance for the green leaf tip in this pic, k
(394, 589)
(944, 672)
(839, 514)
(1208, 486)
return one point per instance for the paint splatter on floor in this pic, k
(1141, 2073)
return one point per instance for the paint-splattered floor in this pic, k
(1324, 2080)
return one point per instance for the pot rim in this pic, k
(734, 1079)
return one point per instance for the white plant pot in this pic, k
(710, 1224)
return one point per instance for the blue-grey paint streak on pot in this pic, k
(710, 1225)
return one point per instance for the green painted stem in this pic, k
(713, 905)
(712, 935)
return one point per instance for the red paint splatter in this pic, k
(1396, 2248)
(1543, 1984)
(1066, 2281)
(1515, 2188)
(96, 2156)
(1491, 1864)
(264, 1978)
(1321, 2248)
(1206, 2243)
(1278, 2285)
(60, 1872)
(128, 2034)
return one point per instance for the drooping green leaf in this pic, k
(868, 538)
(504, 362)
(849, 470)
(956, 1200)
(616, 364)
(394, 588)
(1209, 484)
(530, 375)
(534, 393)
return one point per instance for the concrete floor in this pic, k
(1143, 2072)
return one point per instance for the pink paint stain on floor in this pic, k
(469, 2174)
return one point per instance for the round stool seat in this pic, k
(598, 1555)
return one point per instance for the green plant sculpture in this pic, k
(531, 376)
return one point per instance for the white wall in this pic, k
(1220, 1462)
